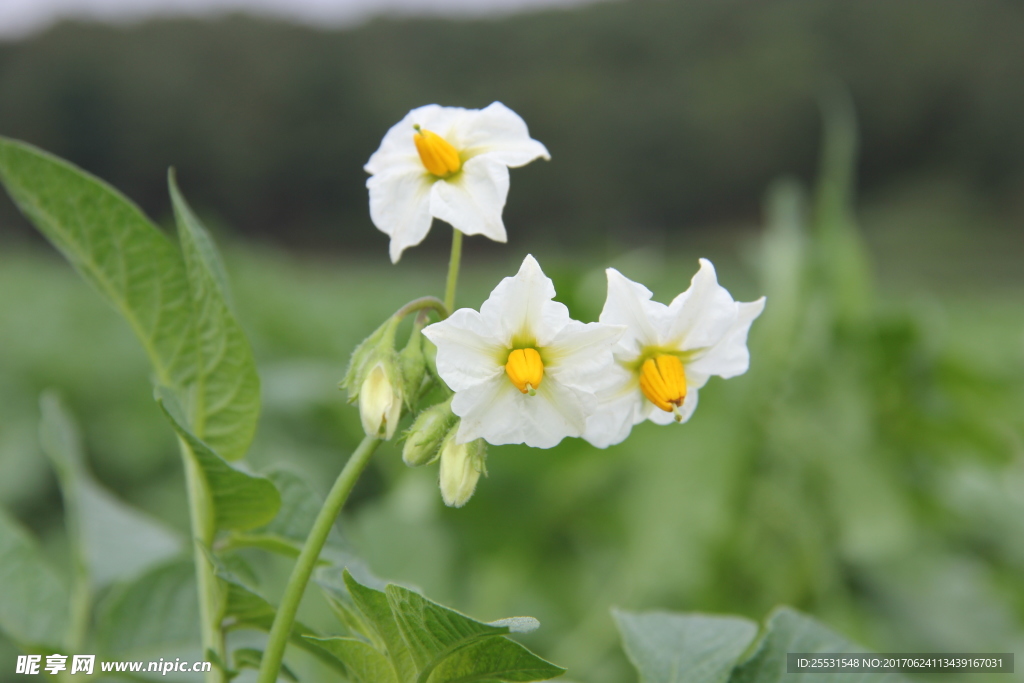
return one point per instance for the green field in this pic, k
(867, 469)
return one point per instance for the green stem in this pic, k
(211, 603)
(453, 271)
(281, 629)
(422, 304)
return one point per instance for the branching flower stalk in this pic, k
(336, 499)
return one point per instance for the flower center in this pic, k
(525, 370)
(436, 153)
(663, 381)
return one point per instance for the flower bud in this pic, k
(380, 399)
(461, 467)
(364, 357)
(413, 365)
(423, 441)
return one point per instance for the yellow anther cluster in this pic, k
(525, 370)
(663, 381)
(436, 153)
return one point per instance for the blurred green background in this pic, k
(869, 469)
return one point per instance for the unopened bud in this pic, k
(413, 365)
(461, 467)
(380, 400)
(427, 433)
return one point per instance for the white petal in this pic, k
(580, 355)
(400, 207)
(472, 200)
(500, 414)
(501, 134)
(488, 410)
(522, 306)
(619, 405)
(702, 315)
(397, 150)
(629, 303)
(468, 353)
(729, 357)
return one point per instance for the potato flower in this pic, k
(448, 163)
(521, 369)
(668, 352)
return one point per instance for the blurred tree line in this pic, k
(657, 114)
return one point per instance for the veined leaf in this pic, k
(240, 500)
(363, 663)
(414, 640)
(113, 246)
(176, 306)
(33, 599)
(374, 606)
(673, 648)
(157, 611)
(786, 630)
(224, 399)
(678, 648)
(493, 659)
(114, 540)
(432, 631)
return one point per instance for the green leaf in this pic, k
(240, 500)
(177, 307)
(362, 662)
(245, 608)
(706, 649)
(787, 631)
(492, 659)
(673, 648)
(114, 247)
(224, 401)
(157, 611)
(432, 631)
(251, 658)
(114, 540)
(33, 598)
(375, 607)
(287, 532)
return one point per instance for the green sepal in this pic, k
(413, 364)
(365, 356)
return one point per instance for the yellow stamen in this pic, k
(663, 381)
(525, 370)
(436, 153)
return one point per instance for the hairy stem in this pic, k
(211, 602)
(422, 304)
(281, 629)
(453, 270)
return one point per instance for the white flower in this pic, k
(448, 163)
(668, 352)
(521, 369)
